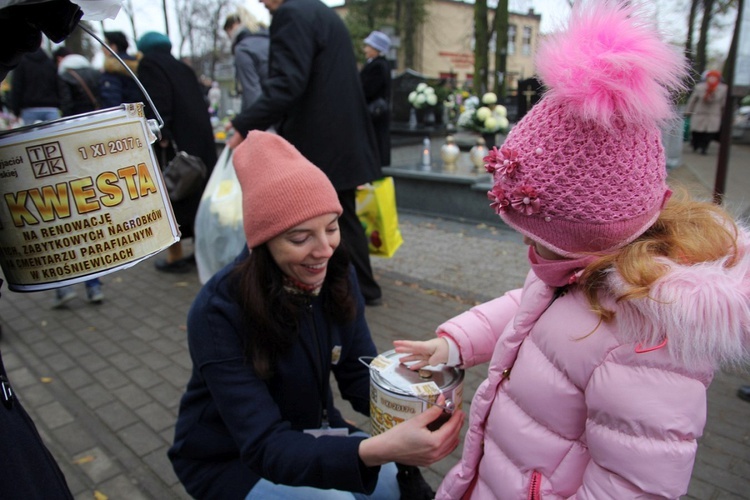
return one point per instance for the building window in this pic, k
(511, 39)
(526, 47)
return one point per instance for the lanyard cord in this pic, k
(318, 361)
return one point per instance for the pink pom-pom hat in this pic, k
(584, 171)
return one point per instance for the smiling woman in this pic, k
(265, 335)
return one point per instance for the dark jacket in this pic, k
(376, 82)
(178, 97)
(27, 469)
(313, 94)
(34, 83)
(73, 96)
(117, 85)
(234, 427)
(251, 63)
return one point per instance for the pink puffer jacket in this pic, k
(589, 410)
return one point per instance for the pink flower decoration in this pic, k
(525, 199)
(493, 160)
(500, 202)
(503, 162)
(510, 161)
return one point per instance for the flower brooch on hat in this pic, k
(502, 164)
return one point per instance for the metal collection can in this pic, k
(82, 196)
(398, 393)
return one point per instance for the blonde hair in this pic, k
(687, 232)
(248, 20)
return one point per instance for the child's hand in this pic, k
(430, 352)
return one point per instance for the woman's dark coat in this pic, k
(178, 97)
(235, 427)
(376, 82)
(313, 94)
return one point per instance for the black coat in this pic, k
(34, 83)
(376, 82)
(27, 468)
(178, 97)
(313, 94)
(73, 97)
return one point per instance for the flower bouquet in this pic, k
(423, 97)
(485, 116)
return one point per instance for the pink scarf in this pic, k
(557, 273)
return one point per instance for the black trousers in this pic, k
(353, 235)
(701, 140)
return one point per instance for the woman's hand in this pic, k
(412, 443)
(430, 352)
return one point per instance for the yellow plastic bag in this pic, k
(376, 209)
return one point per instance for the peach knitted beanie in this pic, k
(280, 187)
(584, 171)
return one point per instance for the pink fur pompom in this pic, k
(611, 64)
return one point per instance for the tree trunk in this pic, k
(408, 33)
(501, 49)
(480, 47)
(166, 17)
(700, 51)
(694, 6)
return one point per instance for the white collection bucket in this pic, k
(398, 393)
(81, 197)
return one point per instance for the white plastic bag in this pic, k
(219, 234)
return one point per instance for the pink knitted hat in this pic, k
(584, 171)
(280, 187)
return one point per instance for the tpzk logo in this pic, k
(46, 159)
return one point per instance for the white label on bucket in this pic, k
(380, 363)
(80, 198)
(426, 390)
(387, 409)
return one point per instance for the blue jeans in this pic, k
(32, 115)
(386, 489)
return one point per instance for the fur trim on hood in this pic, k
(112, 65)
(703, 311)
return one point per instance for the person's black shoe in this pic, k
(177, 267)
(744, 392)
(374, 302)
(411, 483)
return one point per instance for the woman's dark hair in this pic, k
(271, 313)
(61, 52)
(117, 38)
(231, 21)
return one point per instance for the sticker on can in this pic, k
(81, 197)
(398, 393)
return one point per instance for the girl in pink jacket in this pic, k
(598, 366)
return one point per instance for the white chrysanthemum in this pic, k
(483, 113)
(432, 99)
(489, 98)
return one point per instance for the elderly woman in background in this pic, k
(376, 82)
(705, 107)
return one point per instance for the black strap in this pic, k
(85, 87)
